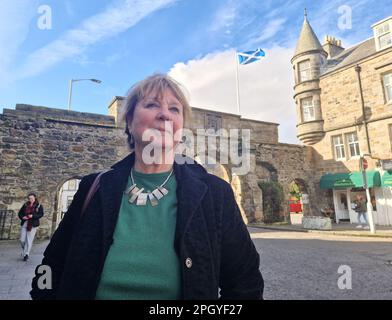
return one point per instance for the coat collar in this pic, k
(190, 192)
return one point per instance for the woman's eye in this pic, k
(151, 105)
(175, 109)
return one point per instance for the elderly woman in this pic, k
(159, 230)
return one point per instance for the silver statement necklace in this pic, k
(141, 198)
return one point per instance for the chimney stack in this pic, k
(332, 46)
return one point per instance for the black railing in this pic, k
(6, 219)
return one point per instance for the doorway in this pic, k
(341, 205)
(65, 197)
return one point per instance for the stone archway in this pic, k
(303, 189)
(63, 198)
(214, 167)
(265, 172)
(218, 170)
(236, 185)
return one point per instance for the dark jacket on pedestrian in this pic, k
(360, 206)
(38, 212)
(209, 230)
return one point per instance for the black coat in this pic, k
(37, 214)
(209, 230)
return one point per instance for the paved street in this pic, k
(295, 265)
(305, 266)
(16, 274)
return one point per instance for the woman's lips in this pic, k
(163, 130)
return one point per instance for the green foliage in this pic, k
(294, 190)
(273, 197)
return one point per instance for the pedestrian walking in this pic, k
(361, 209)
(29, 214)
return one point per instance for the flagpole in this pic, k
(237, 83)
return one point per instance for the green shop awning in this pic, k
(350, 180)
(386, 180)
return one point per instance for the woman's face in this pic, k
(31, 199)
(162, 113)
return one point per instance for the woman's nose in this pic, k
(164, 114)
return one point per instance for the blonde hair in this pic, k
(158, 83)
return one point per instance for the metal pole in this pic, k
(238, 84)
(70, 94)
(368, 200)
(364, 121)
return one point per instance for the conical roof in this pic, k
(308, 40)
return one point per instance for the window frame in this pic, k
(307, 107)
(383, 33)
(68, 202)
(388, 99)
(72, 185)
(307, 69)
(356, 142)
(342, 145)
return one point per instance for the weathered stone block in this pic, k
(78, 148)
(316, 223)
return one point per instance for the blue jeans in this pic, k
(363, 214)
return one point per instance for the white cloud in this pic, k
(271, 29)
(106, 24)
(15, 18)
(266, 87)
(224, 17)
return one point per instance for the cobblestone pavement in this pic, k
(295, 265)
(305, 266)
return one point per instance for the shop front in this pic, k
(347, 186)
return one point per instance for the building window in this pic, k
(71, 185)
(387, 79)
(69, 201)
(304, 70)
(384, 36)
(307, 109)
(212, 121)
(390, 134)
(338, 146)
(353, 144)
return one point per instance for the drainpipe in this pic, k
(358, 70)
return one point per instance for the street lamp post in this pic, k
(363, 166)
(368, 199)
(70, 88)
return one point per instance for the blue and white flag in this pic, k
(250, 56)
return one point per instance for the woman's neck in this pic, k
(140, 166)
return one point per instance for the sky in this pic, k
(44, 44)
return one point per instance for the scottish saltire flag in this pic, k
(250, 56)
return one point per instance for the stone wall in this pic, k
(342, 112)
(41, 148)
(343, 106)
(291, 162)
